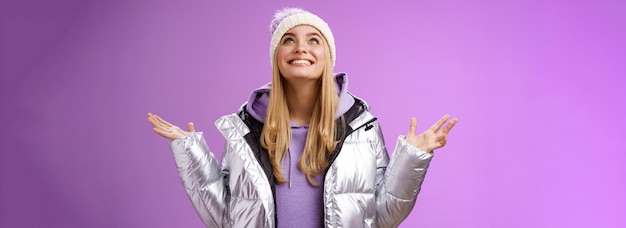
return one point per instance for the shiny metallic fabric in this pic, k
(362, 188)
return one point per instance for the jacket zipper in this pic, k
(367, 126)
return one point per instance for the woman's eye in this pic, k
(288, 41)
(314, 41)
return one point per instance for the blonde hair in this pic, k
(320, 140)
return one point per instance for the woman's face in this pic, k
(300, 54)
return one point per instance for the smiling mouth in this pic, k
(300, 62)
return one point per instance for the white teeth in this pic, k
(301, 61)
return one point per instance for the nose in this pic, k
(301, 48)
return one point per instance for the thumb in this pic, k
(412, 126)
(191, 127)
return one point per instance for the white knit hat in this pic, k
(288, 18)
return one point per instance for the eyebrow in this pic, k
(308, 34)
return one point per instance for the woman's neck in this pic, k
(301, 99)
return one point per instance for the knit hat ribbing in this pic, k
(288, 18)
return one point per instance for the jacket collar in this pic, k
(233, 126)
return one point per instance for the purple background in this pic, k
(538, 87)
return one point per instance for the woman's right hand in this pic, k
(168, 130)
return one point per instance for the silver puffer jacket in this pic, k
(362, 188)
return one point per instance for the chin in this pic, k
(302, 75)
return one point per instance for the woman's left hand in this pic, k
(433, 138)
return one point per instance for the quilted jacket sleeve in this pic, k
(204, 179)
(398, 182)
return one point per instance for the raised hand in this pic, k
(433, 138)
(168, 130)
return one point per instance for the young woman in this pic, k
(303, 151)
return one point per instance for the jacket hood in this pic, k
(259, 99)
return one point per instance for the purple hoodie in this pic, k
(298, 203)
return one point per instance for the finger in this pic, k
(156, 123)
(439, 123)
(412, 126)
(162, 121)
(191, 127)
(440, 141)
(163, 133)
(153, 121)
(450, 125)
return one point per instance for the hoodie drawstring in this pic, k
(289, 172)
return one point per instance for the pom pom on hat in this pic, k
(288, 18)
